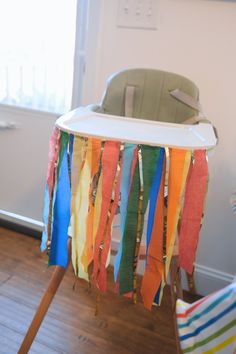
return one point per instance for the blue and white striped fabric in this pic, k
(209, 325)
(233, 202)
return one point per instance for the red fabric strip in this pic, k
(195, 192)
(109, 167)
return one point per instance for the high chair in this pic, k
(145, 94)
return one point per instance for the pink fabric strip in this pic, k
(195, 192)
(109, 167)
(53, 157)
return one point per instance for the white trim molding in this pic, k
(21, 220)
(209, 279)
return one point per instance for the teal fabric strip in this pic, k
(124, 192)
(150, 157)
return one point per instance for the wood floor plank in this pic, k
(70, 326)
(10, 342)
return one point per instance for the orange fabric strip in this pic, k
(154, 268)
(178, 170)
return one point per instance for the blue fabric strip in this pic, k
(156, 299)
(61, 217)
(71, 147)
(124, 190)
(45, 219)
(209, 323)
(153, 196)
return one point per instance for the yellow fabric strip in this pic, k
(78, 158)
(82, 212)
(87, 254)
(97, 209)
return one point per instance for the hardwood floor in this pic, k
(70, 327)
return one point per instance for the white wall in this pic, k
(195, 38)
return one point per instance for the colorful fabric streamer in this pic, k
(54, 146)
(88, 179)
(155, 264)
(195, 193)
(178, 170)
(61, 214)
(78, 161)
(124, 195)
(149, 160)
(109, 201)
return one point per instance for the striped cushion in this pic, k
(233, 201)
(209, 325)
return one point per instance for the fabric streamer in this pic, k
(196, 187)
(86, 179)
(54, 146)
(87, 254)
(109, 168)
(154, 267)
(126, 180)
(153, 196)
(179, 161)
(78, 161)
(149, 160)
(81, 211)
(179, 165)
(106, 241)
(61, 215)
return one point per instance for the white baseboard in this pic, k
(21, 220)
(207, 279)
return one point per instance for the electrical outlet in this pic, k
(138, 14)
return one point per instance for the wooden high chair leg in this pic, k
(46, 300)
(191, 283)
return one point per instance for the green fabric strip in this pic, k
(63, 145)
(150, 156)
(210, 338)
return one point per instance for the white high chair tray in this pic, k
(84, 122)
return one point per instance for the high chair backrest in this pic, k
(148, 92)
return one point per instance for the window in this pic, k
(37, 53)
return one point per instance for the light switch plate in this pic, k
(141, 14)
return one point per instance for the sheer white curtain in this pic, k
(37, 43)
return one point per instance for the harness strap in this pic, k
(129, 101)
